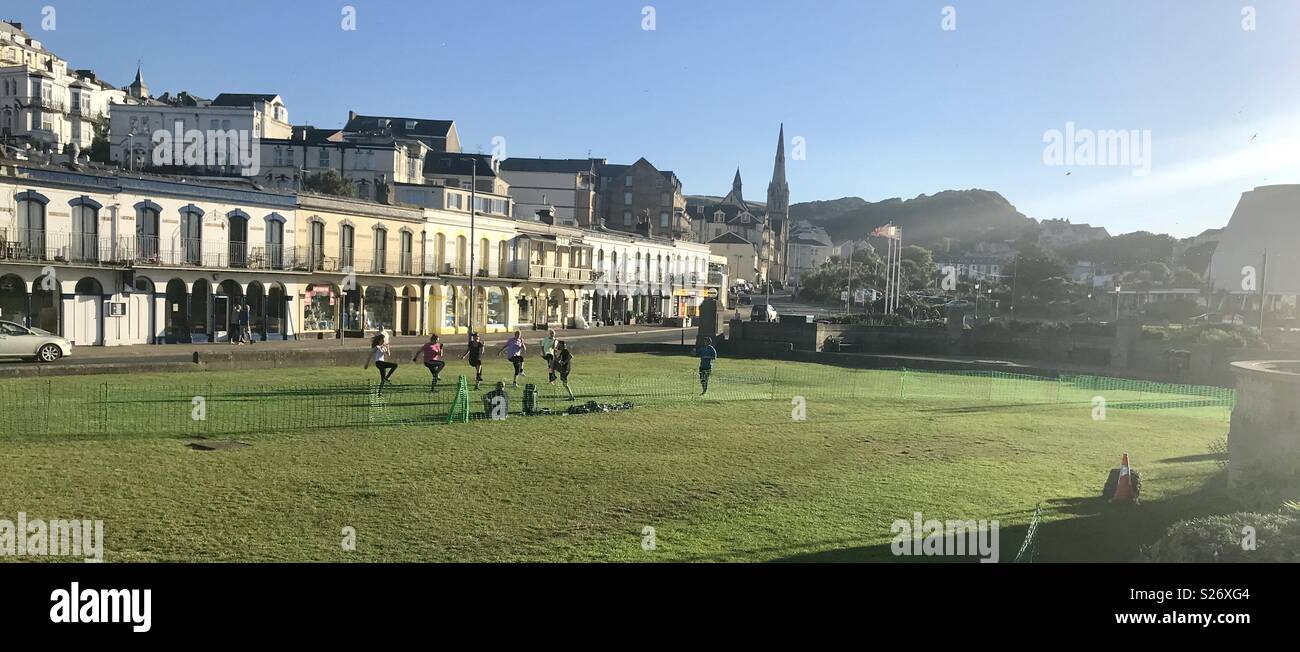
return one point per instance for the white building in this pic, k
(134, 126)
(42, 102)
(567, 185)
(806, 255)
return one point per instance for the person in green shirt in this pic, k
(548, 353)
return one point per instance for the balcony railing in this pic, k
(37, 245)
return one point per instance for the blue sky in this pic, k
(889, 103)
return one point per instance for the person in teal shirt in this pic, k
(707, 355)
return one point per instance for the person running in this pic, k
(563, 364)
(432, 353)
(514, 348)
(707, 355)
(379, 355)
(475, 354)
(548, 354)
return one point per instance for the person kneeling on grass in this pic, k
(432, 353)
(379, 356)
(562, 364)
(494, 407)
(707, 355)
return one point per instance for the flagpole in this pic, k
(898, 263)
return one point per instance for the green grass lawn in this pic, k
(728, 477)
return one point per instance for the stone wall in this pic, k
(1264, 440)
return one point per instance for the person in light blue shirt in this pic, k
(514, 348)
(707, 355)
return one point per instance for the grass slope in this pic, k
(729, 477)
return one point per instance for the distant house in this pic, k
(1055, 234)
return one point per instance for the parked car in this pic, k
(763, 312)
(31, 343)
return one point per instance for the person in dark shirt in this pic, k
(475, 355)
(562, 364)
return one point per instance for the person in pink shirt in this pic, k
(432, 352)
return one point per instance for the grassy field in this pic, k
(727, 477)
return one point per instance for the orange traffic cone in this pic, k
(1124, 485)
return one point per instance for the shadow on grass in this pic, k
(1083, 529)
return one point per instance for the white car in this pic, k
(31, 343)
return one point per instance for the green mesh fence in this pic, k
(203, 409)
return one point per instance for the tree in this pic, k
(99, 151)
(329, 182)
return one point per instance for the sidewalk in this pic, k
(148, 358)
(93, 353)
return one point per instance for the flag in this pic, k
(887, 231)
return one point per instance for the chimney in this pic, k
(352, 115)
(546, 215)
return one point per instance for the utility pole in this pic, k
(473, 188)
(849, 296)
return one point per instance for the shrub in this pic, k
(1219, 538)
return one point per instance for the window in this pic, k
(663, 219)
(462, 253)
(85, 229)
(381, 250)
(275, 241)
(627, 181)
(627, 218)
(237, 238)
(279, 157)
(346, 236)
(324, 157)
(317, 244)
(407, 245)
(146, 230)
(192, 234)
(627, 199)
(31, 222)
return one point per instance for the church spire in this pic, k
(778, 191)
(735, 183)
(138, 89)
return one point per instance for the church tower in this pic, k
(778, 209)
(735, 197)
(138, 89)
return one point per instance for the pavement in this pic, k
(145, 355)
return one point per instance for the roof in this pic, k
(458, 164)
(242, 99)
(557, 165)
(730, 237)
(399, 126)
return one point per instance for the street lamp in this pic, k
(1117, 288)
(977, 301)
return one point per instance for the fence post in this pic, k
(902, 384)
(771, 393)
(103, 410)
